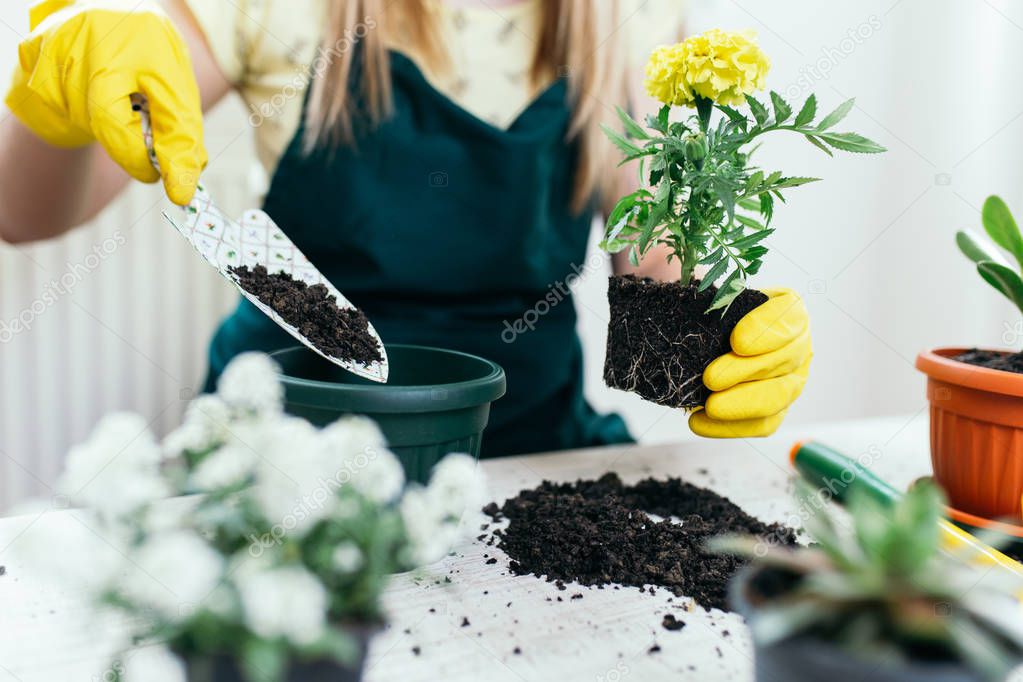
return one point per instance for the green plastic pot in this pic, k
(435, 401)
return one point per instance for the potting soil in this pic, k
(600, 533)
(661, 338)
(338, 332)
(1007, 362)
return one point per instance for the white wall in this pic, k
(870, 248)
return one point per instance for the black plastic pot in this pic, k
(435, 401)
(809, 659)
(227, 669)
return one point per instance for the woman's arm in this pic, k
(45, 190)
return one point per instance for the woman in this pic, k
(440, 162)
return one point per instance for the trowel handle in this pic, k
(140, 104)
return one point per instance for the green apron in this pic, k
(450, 232)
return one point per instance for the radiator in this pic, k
(116, 315)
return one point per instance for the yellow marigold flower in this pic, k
(719, 66)
(664, 74)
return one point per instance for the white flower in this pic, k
(173, 573)
(347, 557)
(363, 460)
(295, 479)
(205, 425)
(438, 516)
(153, 664)
(117, 470)
(250, 383)
(224, 467)
(430, 536)
(458, 483)
(284, 602)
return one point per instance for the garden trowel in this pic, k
(254, 240)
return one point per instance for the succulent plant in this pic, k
(992, 266)
(876, 584)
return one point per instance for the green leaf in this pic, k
(752, 239)
(1005, 280)
(714, 257)
(767, 207)
(1001, 227)
(852, 142)
(782, 110)
(663, 116)
(623, 144)
(734, 115)
(837, 115)
(820, 145)
(263, 659)
(751, 223)
(713, 274)
(634, 257)
(632, 129)
(753, 253)
(792, 182)
(808, 111)
(729, 289)
(978, 249)
(755, 180)
(758, 109)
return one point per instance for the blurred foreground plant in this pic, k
(282, 553)
(882, 591)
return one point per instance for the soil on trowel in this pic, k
(341, 333)
(661, 338)
(1006, 362)
(600, 533)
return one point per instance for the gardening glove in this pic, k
(77, 70)
(753, 385)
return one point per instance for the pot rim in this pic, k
(395, 398)
(938, 364)
(981, 523)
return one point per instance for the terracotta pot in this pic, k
(976, 433)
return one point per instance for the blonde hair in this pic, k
(579, 40)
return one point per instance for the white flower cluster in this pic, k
(437, 516)
(263, 469)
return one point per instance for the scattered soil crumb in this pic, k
(672, 623)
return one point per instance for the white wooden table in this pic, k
(605, 636)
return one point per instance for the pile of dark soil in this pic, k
(1006, 362)
(599, 533)
(660, 338)
(338, 332)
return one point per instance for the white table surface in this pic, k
(605, 636)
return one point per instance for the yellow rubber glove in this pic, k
(77, 70)
(754, 384)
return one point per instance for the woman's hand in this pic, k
(78, 69)
(754, 384)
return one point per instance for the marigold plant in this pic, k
(701, 193)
